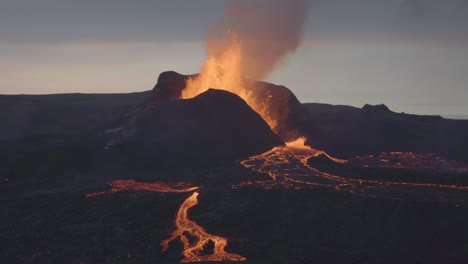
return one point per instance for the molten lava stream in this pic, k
(193, 250)
(132, 185)
(288, 168)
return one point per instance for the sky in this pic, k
(411, 55)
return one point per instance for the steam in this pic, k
(249, 41)
(267, 31)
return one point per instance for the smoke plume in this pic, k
(267, 31)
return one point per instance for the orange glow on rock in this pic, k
(224, 71)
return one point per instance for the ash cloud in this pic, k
(268, 30)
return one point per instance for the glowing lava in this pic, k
(128, 185)
(224, 71)
(193, 250)
(288, 168)
(298, 143)
(410, 160)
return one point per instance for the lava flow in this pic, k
(288, 168)
(193, 250)
(128, 185)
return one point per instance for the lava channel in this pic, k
(193, 250)
(132, 185)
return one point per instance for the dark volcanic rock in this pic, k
(279, 101)
(381, 108)
(212, 128)
(169, 86)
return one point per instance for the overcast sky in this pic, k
(409, 54)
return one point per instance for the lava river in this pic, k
(193, 248)
(288, 167)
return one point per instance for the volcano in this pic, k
(278, 102)
(214, 127)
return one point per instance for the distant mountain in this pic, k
(61, 115)
(458, 117)
(346, 131)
